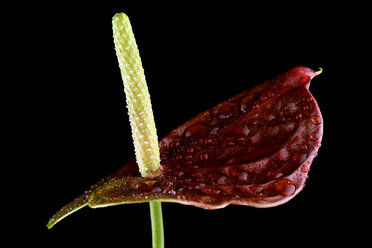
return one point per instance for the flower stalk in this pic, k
(157, 225)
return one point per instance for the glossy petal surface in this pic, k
(254, 149)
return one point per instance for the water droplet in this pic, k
(304, 169)
(243, 108)
(172, 192)
(214, 130)
(221, 180)
(255, 116)
(156, 189)
(178, 173)
(256, 189)
(316, 119)
(298, 116)
(245, 130)
(218, 177)
(277, 174)
(174, 144)
(191, 187)
(246, 101)
(263, 98)
(223, 116)
(243, 176)
(256, 106)
(140, 186)
(233, 171)
(230, 161)
(313, 136)
(163, 144)
(203, 156)
(292, 107)
(193, 130)
(190, 149)
(269, 117)
(299, 157)
(257, 138)
(228, 143)
(211, 191)
(189, 156)
(178, 157)
(181, 197)
(207, 141)
(317, 144)
(215, 191)
(304, 147)
(285, 187)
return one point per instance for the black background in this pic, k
(72, 128)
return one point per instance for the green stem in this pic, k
(157, 225)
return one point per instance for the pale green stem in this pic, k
(157, 225)
(140, 112)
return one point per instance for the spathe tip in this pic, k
(316, 73)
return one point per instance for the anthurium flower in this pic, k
(253, 149)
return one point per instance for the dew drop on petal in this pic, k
(178, 173)
(243, 107)
(257, 138)
(245, 130)
(221, 116)
(304, 168)
(188, 156)
(193, 130)
(156, 189)
(317, 144)
(190, 149)
(172, 192)
(313, 136)
(292, 107)
(174, 144)
(203, 156)
(214, 130)
(304, 147)
(243, 176)
(269, 117)
(163, 144)
(222, 179)
(285, 187)
(277, 174)
(316, 119)
(233, 171)
(299, 157)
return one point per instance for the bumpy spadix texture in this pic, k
(137, 96)
(254, 149)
